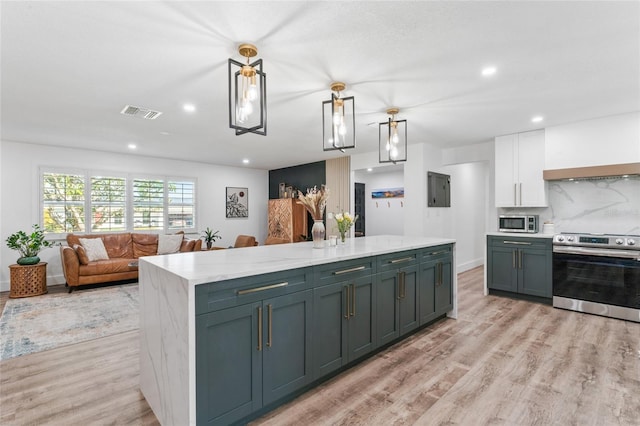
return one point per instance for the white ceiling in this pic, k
(68, 68)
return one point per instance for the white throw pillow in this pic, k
(169, 243)
(94, 247)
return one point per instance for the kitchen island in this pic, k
(228, 333)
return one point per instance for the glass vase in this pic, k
(317, 232)
(343, 236)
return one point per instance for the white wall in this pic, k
(471, 190)
(19, 197)
(607, 140)
(383, 216)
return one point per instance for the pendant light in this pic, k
(338, 120)
(392, 139)
(247, 94)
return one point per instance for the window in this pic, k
(63, 202)
(148, 204)
(108, 204)
(181, 204)
(115, 203)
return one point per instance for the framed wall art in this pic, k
(237, 202)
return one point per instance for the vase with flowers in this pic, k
(345, 221)
(315, 200)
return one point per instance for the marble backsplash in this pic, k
(605, 205)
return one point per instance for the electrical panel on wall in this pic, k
(439, 190)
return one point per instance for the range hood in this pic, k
(592, 172)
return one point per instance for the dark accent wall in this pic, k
(302, 177)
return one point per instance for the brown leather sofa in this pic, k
(123, 249)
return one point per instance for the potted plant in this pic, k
(210, 236)
(29, 245)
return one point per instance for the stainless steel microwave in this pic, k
(518, 223)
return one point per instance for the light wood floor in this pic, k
(502, 362)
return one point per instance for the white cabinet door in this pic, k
(532, 189)
(505, 170)
(519, 162)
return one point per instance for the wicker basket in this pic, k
(28, 280)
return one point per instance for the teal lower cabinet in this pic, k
(435, 289)
(251, 355)
(397, 296)
(343, 323)
(520, 265)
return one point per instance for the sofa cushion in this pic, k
(187, 245)
(94, 247)
(118, 245)
(110, 266)
(144, 244)
(82, 254)
(168, 244)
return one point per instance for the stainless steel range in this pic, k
(597, 274)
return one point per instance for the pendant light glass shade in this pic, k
(247, 94)
(392, 139)
(338, 121)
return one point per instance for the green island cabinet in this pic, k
(520, 265)
(397, 295)
(436, 283)
(256, 351)
(261, 339)
(344, 302)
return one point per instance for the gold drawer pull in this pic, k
(266, 287)
(259, 329)
(346, 271)
(404, 259)
(438, 252)
(520, 243)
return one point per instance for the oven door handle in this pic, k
(625, 254)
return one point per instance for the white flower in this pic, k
(339, 217)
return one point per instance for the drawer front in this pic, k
(342, 271)
(388, 262)
(437, 252)
(224, 294)
(519, 242)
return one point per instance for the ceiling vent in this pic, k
(134, 111)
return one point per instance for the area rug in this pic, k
(45, 322)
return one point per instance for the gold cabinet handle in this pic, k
(353, 300)
(513, 259)
(404, 285)
(515, 190)
(519, 259)
(435, 253)
(266, 287)
(259, 328)
(346, 305)
(404, 259)
(346, 271)
(399, 285)
(269, 322)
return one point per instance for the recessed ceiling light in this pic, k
(164, 133)
(487, 71)
(189, 107)
(369, 169)
(132, 146)
(245, 161)
(537, 119)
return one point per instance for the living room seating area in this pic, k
(92, 259)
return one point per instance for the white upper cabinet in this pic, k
(519, 162)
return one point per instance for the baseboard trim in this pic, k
(463, 267)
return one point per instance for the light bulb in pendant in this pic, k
(388, 146)
(394, 152)
(336, 118)
(252, 93)
(343, 128)
(394, 137)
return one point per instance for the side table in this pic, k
(28, 280)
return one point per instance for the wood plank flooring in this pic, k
(502, 362)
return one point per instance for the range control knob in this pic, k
(631, 242)
(569, 238)
(619, 241)
(560, 238)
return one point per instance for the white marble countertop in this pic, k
(521, 234)
(219, 265)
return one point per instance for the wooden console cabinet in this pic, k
(287, 220)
